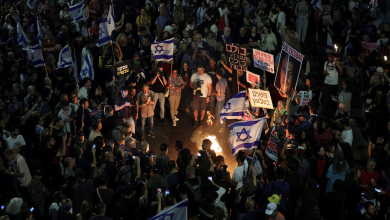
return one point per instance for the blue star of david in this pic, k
(227, 106)
(85, 71)
(109, 21)
(163, 216)
(159, 48)
(243, 131)
(101, 32)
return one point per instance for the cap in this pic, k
(80, 133)
(379, 69)
(301, 150)
(270, 208)
(125, 125)
(156, 168)
(36, 172)
(274, 199)
(100, 162)
(164, 146)
(303, 114)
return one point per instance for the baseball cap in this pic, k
(163, 146)
(36, 172)
(303, 114)
(275, 198)
(270, 208)
(379, 69)
(80, 133)
(301, 150)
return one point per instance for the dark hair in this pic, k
(168, 200)
(368, 204)
(95, 124)
(13, 128)
(56, 120)
(85, 80)
(64, 103)
(338, 184)
(348, 85)
(211, 197)
(280, 172)
(179, 144)
(83, 100)
(100, 208)
(80, 173)
(241, 156)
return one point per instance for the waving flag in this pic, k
(245, 134)
(75, 10)
(316, 4)
(104, 33)
(78, 18)
(234, 107)
(329, 44)
(41, 34)
(65, 59)
(111, 19)
(175, 212)
(163, 50)
(30, 3)
(21, 36)
(87, 68)
(35, 56)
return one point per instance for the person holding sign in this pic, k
(287, 75)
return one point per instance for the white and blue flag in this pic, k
(65, 59)
(245, 135)
(35, 56)
(111, 19)
(30, 3)
(175, 212)
(104, 33)
(163, 50)
(234, 107)
(329, 44)
(316, 4)
(87, 68)
(41, 33)
(21, 36)
(76, 10)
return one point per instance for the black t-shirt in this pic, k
(50, 164)
(126, 111)
(158, 86)
(255, 38)
(61, 84)
(58, 134)
(241, 40)
(322, 31)
(145, 51)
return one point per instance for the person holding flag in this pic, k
(41, 33)
(21, 36)
(35, 56)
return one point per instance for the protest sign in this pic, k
(122, 69)
(305, 97)
(48, 44)
(368, 46)
(236, 56)
(253, 78)
(263, 61)
(260, 98)
(85, 13)
(287, 75)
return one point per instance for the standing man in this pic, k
(281, 21)
(158, 86)
(20, 171)
(123, 104)
(182, 158)
(146, 102)
(331, 73)
(202, 84)
(36, 193)
(162, 20)
(162, 160)
(212, 15)
(16, 141)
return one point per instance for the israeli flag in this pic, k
(41, 33)
(65, 59)
(329, 44)
(30, 3)
(245, 135)
(111, 19)
(21, 36)
(104, 33)
(35, 56)
(175, 212)
(316, 4)
(80, 17)
(163, 50)
(348, 44)
(75, 10)
(87, 68)
(234, 107)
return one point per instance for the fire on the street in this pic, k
(215, 145)
(210, 118)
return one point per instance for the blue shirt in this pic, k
(10, 42)
(162, 22)
(45, 108)
(228, 40)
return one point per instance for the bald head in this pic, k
(250, 204)
(11, 56)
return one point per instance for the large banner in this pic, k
(287, 75)
(368, 46)
(236, 56)
(263, 61)
(260, 98)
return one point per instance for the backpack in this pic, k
(196, 192)
(108, 135)
(303, 166)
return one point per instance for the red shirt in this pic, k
(321, 166)
(96, 31)
(365, 178)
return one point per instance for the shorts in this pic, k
(199, 102)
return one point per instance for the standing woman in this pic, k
(302, 11)
(269, 41)
(200, 13)
(337, 170)
(176, 84)
(186, 73)
(254, 38)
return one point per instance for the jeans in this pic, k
(174, 101)
(218, 109)
(159, 97)
(131, 122)
(143, 120)
(301, 27)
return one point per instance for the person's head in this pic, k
(164, 148)
(219, 74)
(286, 75)
(212, 4)
(49, 140)
(369, 206)
(242, 31)
(371, 162)
(190, 171)
(162, 11)
(57, 122)
(145, 41)
(278, 122)
(69, 162)
(344, 106)
(97, 125)
(240, 157)
(66, 205)
(272, 209)
(206, 144)
(320, 150)
(9, 154)
(100, 209)
(325, 21)
(156, 169)
(109, 157)
(186, 33)
(179, 145)
(250, 204)
(227, 31)
(14, 129)
(124, 91)
(87, 82)
(171, 166)
(144, 147)
(200, 69)
(281, 105)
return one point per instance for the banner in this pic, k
(260, 98)
(305, 97)
(287, 75)
(253, 78)
(263, 61)
(368, 46)
(121, 69)
(48, 44)
(236, 56)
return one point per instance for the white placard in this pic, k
(260, 98)
(305, 97)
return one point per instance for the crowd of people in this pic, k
(69, 147)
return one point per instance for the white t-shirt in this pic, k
(83, 93)
(239, 174)
(64, 116)
(347, 136)
(333, 78)
(281, 19)
(204, 81)
(15, 143)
